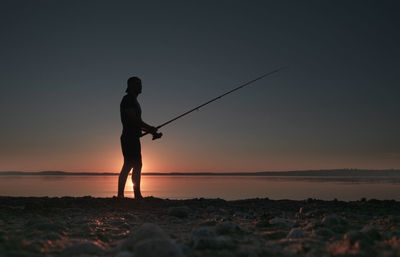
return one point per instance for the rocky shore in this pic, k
(86, 226)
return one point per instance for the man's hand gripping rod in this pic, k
(158, 135)
(155, 136)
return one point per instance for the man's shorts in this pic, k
(131, 148)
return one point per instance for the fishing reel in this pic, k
(157, 136)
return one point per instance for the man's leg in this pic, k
(126, 168)
(136, 176)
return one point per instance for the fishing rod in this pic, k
(158, 135)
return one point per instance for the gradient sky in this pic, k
(64, 66)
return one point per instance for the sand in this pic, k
(86, 226)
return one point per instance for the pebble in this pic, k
(158, 247)
(179, 212)
(51, 236)
(295, 234)
(228, 227)
(208, 222)
(117, 222)
(203, 232)
(223, 211)
(210, 208)
(371, 232)
(149, 240)
(124, 254)
(147, 231)
(240, 214)
(323, 232)
(362, 245)
(220, 242)
(273, 235)
(331, 220)
(206, 238)
(280, 222)
(354, 236)
(311, 224)
(262, 224)
(83, 248)
(43, 225)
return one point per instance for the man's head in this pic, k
(134, 86)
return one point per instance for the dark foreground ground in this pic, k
(87, 226)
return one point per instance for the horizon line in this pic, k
(342, 171)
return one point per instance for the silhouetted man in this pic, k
(132, 123)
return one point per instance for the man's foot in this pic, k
(138, 195)
(120, 197)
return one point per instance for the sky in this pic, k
(64, 66)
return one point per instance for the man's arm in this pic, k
(148, 128)
(139, 122)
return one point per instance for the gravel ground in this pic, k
(87, 226)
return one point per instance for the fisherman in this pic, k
(133, 125)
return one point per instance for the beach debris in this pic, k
(305, 212)
(300, 213)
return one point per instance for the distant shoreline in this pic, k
(334, 172)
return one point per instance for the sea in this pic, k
(346, 188)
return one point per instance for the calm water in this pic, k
(226, 187)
